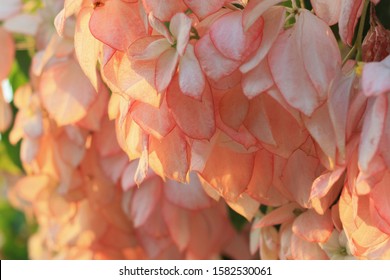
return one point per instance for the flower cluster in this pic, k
(249, 101)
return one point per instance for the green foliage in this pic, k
(14, 233)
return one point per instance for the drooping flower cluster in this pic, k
(245, 100)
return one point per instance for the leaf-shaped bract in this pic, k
(273, 24)
(213, 63)
(298, 48)
(313, 227)
(86, 46)
(173, 154)
(189, 196)
(228, 171)
(191, 77)
(203, 8)
(233, 107)
(372, 130)
(194, 117)
(375, 77)
(164, 9)
(229, 37)
(117, 24)
(349, 15)
(327, 10)
(156, 121)
(145, 200)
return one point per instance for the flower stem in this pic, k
(350, 54)
(359, 38)
(294, 4)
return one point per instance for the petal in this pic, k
(303, 250)
(320, 127)
(229, 37)
(338, 105)
(312, 35)
(283, 126)
(145, 200)
(164, 9)
(180, 27)
(187, 196)
(213, 63)
(381, 199)
(274, 19)
(173, 155)
(261, 185)
(97, 110)
(156, 121)
(255, 9)
(298, 176)
(153, 50)
(165, 69)
(372, 130)
(257, 80)
(191, 77)
(313, 227)
(279, 216)
(228, 171)
(194, 117)
(302, 95)
(134, 79)
(87, 48)
(178, 222)
(375, 78)
(233, 108)
(257, 121)
(245, 205)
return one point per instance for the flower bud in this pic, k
(376, 44)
